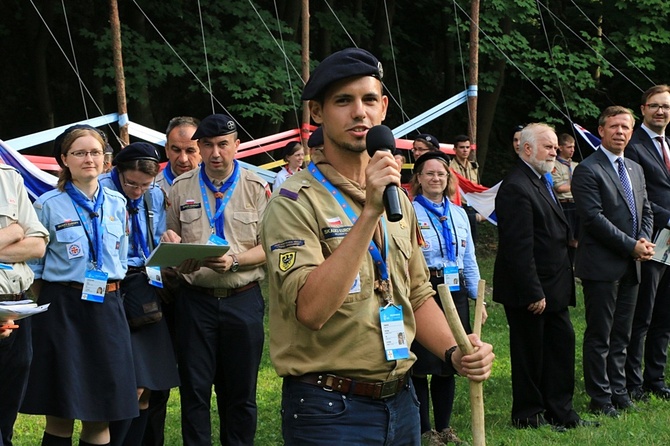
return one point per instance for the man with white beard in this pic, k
(533, 279)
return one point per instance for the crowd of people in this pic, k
(357, 331)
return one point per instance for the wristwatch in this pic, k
(236, 264)
(448, 369)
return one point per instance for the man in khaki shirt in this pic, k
(332, 334)
(22, 237)
(562, 177)
(182, 152)
(219, 330)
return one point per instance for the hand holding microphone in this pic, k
(380, 137)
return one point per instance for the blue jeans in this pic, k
(313, 416)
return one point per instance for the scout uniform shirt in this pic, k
(15, 207)
(562, 174)
(469, 171)
(304, 224)
(188, 218)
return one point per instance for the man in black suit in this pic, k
(533, 279)
(649, 148)
(616, 224)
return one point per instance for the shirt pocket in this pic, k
(8, 214)
(245, 227)
(191, 225)
(400, 281)
(114, 228)
(70, 235)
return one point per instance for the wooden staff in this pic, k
(476, 388)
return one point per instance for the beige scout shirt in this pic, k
(188, 218)
(563, 175)
(467, 171)
(304, 224)
(15, 207)
(162, 182)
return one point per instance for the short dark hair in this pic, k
(656, 89)
(179, 121)
(565, 138)
(461, 138)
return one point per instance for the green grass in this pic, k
(649, 426)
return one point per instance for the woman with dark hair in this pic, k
(135, 169)
(294, 155)
(450, 255)
(82, 344)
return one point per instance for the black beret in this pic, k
(316, 138)
(58, 142)
(289, 148)
(137, 151)
(215, 125)
(430, 139)
(341, 65)
(439, 155)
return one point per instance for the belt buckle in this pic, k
(220, 293)
(328, 383)
(439, 273)
(388, 389)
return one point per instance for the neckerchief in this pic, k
(167, 173)
(94, 232)
(567, 164)
(133, 208)
(444, 219)
(218, 219)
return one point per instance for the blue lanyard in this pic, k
(133, 208)
(374, 250)
(444, 222)
(167, 173)
(93, 229)
(217, 221)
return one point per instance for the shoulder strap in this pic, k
(148, 208)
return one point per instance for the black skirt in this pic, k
(153, 356)
(82, 363)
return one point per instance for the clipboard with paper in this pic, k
(173, 254)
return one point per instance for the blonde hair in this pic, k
(65, 175)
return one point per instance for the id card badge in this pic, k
(452, 278)
(95, 285)
(154, 274)
(393, 333)
(216, 240)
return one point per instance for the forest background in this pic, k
(558, 61)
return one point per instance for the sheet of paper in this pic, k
(173, 254)
(19, 310)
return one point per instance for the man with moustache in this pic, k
(536, 288)
(335, 313)
(219, 328)
(182, 151)
(649, 147)
(616, 223)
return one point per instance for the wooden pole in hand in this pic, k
(476, 388)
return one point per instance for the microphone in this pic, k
(380, 137)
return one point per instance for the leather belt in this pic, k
(12, 297)
(221, 293)
(375, 390)
(566, 200)
(111, 286)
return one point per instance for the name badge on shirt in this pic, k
(452, 278)
(154, 274)
(95, 285)
(393, 333)
(216, 240)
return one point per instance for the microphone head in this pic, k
(379, 137)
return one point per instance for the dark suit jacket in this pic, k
(606, 238)
(642, 149)
(532, 261)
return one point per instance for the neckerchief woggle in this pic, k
(133, 208)
(94, 229)
(373, 249)
(217, 221)
(446, 232)
(167, 174)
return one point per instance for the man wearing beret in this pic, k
(219, 328)
(335, 314)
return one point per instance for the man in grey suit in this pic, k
(616, 224)
(649, 148)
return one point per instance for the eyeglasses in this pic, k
(655, 107)
(83, 153)
(439, 175)
(135, 186)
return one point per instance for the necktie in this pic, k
(549, 188)
(628, 190)
(661, 141)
